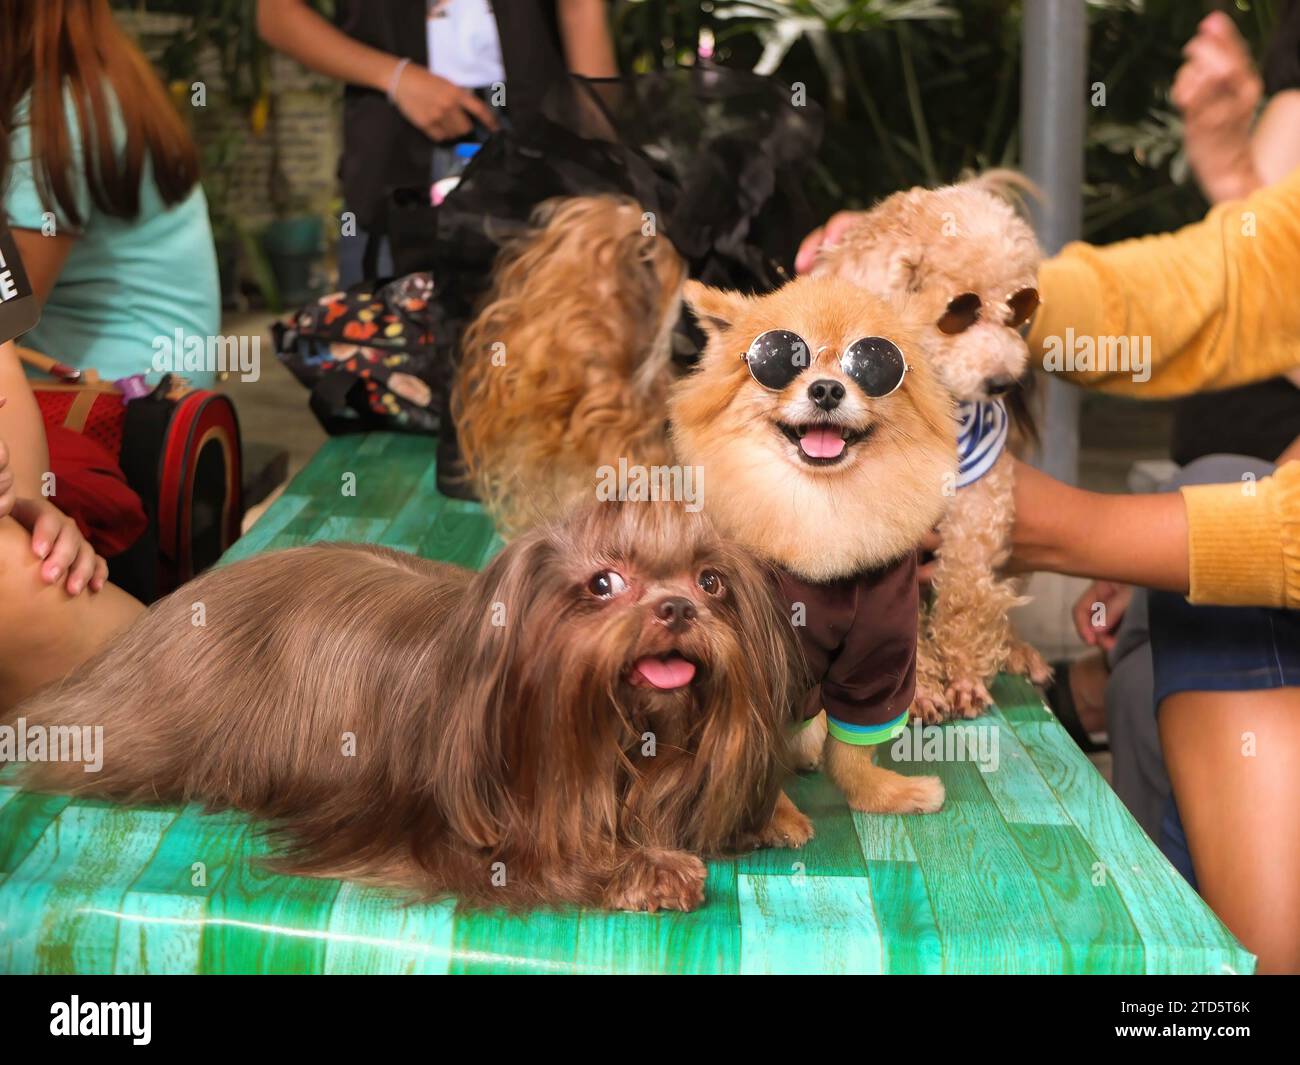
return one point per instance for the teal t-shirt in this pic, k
(126, 282)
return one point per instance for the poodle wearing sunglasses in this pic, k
(826, 443)
(968, 263)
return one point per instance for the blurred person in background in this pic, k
(421, 75)
(1218, 551)
(102, 191)
(1234, 149)
(56, 607)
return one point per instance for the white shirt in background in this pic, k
(464, 46)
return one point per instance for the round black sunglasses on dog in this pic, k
(874, 364)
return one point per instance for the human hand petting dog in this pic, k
(828, 235)
(56, 540)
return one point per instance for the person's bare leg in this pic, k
(44, 632)
(1234, 761)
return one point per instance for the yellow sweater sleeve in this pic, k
(1244, 541)
(1216, 301)
(1215, 304)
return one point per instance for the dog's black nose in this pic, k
(826, 394)
(676, 612)
(995, 386)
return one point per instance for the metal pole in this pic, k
(1053, 89)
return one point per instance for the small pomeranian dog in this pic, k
(566, 367)
(968, 263)
(826, 444)
(580, 722)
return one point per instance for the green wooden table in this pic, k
(1033, 867)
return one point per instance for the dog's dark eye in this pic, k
(607, 585)
(710, 582)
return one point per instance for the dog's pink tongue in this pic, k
(664, 673)
(822, 443)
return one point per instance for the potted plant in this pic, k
(294, 241)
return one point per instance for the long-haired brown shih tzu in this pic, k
(580, 722)
(567, 365)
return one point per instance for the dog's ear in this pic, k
(903, 272)
(1009, 185)
(714, 308)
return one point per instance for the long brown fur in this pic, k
(566, 367)
(933, 245)
(420, 726)
(822, 523)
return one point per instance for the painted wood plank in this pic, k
(417, 515)
(600, 942)
(411, 449)
(373, 931)
(322, 477)
(490, 551)
(833, 851)
(1017, 787)
(461, 535)
(262, 922)
(1090, 916)
(352, 530)
(806, 924)
(59, 906)
(910, 938)
(503, 942)
(383, 488)
(1018, 700)
(23, 821)
(703, 942)
(263, 535)
(373, 445)
(977, 876)
(305, 528)
(1179, 932)
(883, 837)
(163, 911)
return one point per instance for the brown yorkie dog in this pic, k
(580, 722)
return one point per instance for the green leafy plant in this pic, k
(919, 91)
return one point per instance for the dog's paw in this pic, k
(924, 796)
(929, 706)
(655, 880)
(967, 697)
(789, 827)
(1025, 661)
(899, 795)
(807, 744)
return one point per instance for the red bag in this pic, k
(92, 490)
(178, 448)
